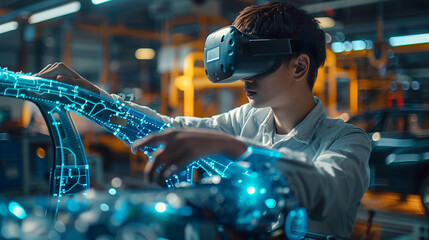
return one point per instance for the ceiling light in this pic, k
(409, 40)
(326, 22)
(9, 26)
(55, 12)
(348, 46)
(96, 2)
(145, 53)
(358, 45)
(338, 47)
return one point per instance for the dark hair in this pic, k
(283, 20)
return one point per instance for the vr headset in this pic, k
(231, 55)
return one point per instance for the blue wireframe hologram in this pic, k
(57, 98)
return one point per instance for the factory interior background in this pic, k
(376, 76)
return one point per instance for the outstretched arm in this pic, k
(226, 122)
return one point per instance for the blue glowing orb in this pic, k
(270, 203)
(17, 210)
(112, 191)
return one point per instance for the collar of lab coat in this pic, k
(305, 130)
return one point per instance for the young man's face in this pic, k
(273, 90)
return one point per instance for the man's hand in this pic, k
(62, 73)
(181, 147)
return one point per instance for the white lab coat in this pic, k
(325, 161)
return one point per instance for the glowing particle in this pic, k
(40, 152)
(90, 194)
(270, 203)
(104, 207)
(116, 182)
(17, 210)
(216, 179)
(376, 136)
(173, 200)
(251, 190)
(112, 191)
(160, 207)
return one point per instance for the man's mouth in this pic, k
(249, 92)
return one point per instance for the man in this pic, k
(325, 161)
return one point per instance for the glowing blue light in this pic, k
(263, 191)
(348, 46)
(160, 207)
(409, 40)
(296, 224)
(112, 191)
(264, 152)
(251, 190)
(104, 207)
(338, 47)
(256, 214)
(358, 45)
(270, 203)
(96, 2)
(17, 210)
(73, 205)
(122, 211)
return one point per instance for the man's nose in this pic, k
(248, 80)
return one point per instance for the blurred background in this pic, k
(376, 76)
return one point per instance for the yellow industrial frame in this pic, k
(194, 78)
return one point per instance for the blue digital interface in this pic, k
(56, 99)
(264, 190)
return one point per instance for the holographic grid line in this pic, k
(123, 122)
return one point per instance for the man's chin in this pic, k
(255, 104)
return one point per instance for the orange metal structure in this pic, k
(194, 78)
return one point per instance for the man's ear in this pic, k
(302, 64)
